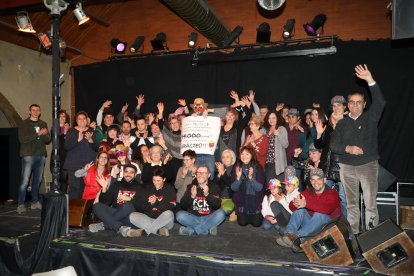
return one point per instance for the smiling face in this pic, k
(338, 109)
(174, 124)
(317, 183)
(129, 174)
(356, 104)
(226, 159)
(314, 156)
(202, 175)
(246, 157)
(314, 116)
(141, 125)
(272, 119)
(102, 159)
(158, 182)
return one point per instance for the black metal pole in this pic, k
(55, 188)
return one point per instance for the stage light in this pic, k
(118, 46)
(80, 14)
(233, 36)
(315, 24)
(288, 29)
(263, 33)
(159, 43)
(192, 39)
(23, 22)
(270, 5)
(138, 42)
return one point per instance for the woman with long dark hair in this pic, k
(248, 179)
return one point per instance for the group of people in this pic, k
(270, 167)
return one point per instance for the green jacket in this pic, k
(30, 143)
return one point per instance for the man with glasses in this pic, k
(355, 139)
(201, 203)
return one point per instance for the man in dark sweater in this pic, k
(117, 202)
(312, 208)
(155, 207)
(355, 139)
(33, 137)
(202, 204)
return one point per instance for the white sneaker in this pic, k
(95, 227)
(124, 230)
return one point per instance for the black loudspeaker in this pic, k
(402, 19)
(388, 249)
(332, 245)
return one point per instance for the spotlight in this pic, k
(233, 36)
(139, 41)
(80, 14)
(192, 39)
(263, 33)
(118, 46)
(289, 28)
(23, 22)
(316, 23)
(270, 5)
(159, 43)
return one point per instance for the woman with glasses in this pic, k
(90, 172)
(186, 173)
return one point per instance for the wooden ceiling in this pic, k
(350, 19)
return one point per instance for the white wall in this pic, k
(26, 78)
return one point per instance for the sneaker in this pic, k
(123, 230)
(134, 233)
(213, 231)
(36, 205)
(290, 239)
(95, 227)
(185, 231)
(279, 241)
(21, 209)
(163, 232)
(233, 216)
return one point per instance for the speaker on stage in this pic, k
(331, 245)
(388, 249)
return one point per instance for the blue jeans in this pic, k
(35, 164)
(206, 159)
(267, 225)
(303, 224)
(201, 224)
(342, 196)
(113, 218)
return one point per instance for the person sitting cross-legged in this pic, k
(117, 202)
(201, 203)
(155, 208)
(312, 208)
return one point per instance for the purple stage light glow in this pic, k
(120, 47)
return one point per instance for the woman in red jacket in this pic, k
(91, 171)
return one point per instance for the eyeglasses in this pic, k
(355, 102)
(201, 172)
(103, 157)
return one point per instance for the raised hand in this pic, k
(251, 95)
(87, 166)
(182, 102)
(320, 128)
(93, 125)
(160, 107)
(151, 118)
(297, 151)
(362, 72)
(124, 108)
(246, 101)
(140, 100)
(250, 174)
(279, 106)
(194, 191)
(103, 181)
(238, 172)
(234, 95)
(106, 104)
(220, 168)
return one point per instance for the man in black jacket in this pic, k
(155, 207)
(117, 202)
(355, 139)
(202, 204)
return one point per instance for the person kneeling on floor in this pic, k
(117, 202)
(155, 208)
(202, 204)
(312, 208)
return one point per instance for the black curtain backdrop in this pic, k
(298, 81)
